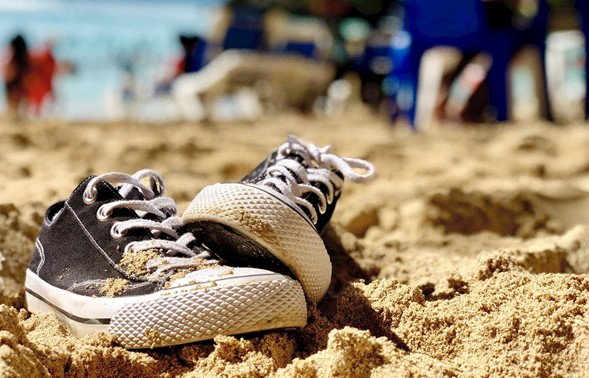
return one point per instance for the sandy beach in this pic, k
(467, 256)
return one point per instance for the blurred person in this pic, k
(193, 54)
(16, 74)
(191, 60)
(43, 68)
(129, 92)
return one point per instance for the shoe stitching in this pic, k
(100, 282)
(41, 251)
(111, 262)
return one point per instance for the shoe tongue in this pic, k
(259, 173)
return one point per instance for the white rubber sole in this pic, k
(260, 301)
(274, 223)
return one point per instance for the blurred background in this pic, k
(103, 41)
(416, 62)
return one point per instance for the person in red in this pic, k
(40, 88)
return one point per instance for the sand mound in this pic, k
(467, 256)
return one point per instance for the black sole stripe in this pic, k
(71, 316)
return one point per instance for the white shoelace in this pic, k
(166, 223)
(293, 179)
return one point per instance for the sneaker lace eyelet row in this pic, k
(163, 223)
(294, 179)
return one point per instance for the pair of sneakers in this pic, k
(244, 257)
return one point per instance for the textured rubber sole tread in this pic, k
(271, 224)
(189, 314)
(203, 314)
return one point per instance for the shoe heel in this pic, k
(260, 219)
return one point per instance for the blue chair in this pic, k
(197, 59)
(308, 49)
(583, 9)
(246, 30)
(375, 61)
(373, 66)
(466, 26)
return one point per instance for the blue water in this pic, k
(98, 36)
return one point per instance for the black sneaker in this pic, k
(273, 217)
(114, 258)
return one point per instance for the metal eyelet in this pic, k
(128, 247)
(90, 198)
(115, 233)
(101, 215)
(322, 209)
(330, 198)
